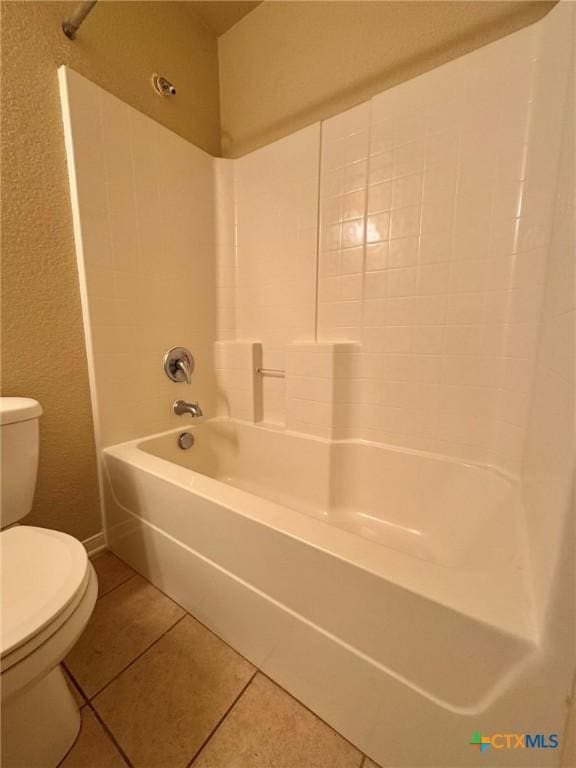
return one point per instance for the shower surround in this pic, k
(383, 524)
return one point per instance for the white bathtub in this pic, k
(375, 584)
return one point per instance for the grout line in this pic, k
(202, 624)
(316, 715)
(257, 670)
(71, 680)
(76, 683)
(111, 736)
(112, 589)
(135, 659)
(89, 699)
(222, 719)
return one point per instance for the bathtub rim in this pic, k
(435, 582)
(478, 471)
(511, 477)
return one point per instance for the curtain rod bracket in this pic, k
(71, 25)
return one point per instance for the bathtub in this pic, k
(377, 585)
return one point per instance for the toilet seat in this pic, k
(45, 574)
(40, 718)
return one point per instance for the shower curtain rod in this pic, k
(71, 25)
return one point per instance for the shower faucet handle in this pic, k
(182, 365)
(179, 364)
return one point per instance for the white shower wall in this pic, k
(435, 209)
(276, 191)
(550, 453)
(143, 207)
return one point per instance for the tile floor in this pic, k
(159, 690)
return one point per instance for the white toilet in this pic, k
(48, 593)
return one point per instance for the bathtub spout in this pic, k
(181, 406)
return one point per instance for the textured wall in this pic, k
(288, 64)
(119, 47)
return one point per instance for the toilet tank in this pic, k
(18, 456)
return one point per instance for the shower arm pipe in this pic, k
(72, 24)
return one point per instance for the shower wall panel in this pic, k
(435, 208)
(143, 215)
(277, 225)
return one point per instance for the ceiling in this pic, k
(220, 15)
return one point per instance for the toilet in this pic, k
(48, 591)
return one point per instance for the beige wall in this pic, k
(288, 64)
(119, 47)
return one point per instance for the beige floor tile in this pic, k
(111, 572)
(124, 623)
(80, 700)
(267, 728)
(93, 747)
(166, 704)
(369, 764)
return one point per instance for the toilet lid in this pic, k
(15, 409)
(42, 572)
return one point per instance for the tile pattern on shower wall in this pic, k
(434, 222)
(277, 203)
(345, 149)
(145, 198)
(316, 386)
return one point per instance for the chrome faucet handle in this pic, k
(179, 364)
(182, 365)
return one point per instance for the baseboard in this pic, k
(95, 544)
